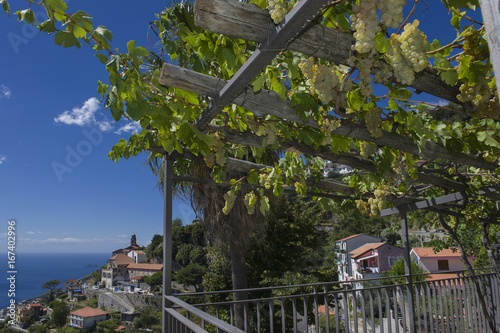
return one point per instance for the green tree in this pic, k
(51, 285)
(191, 275)
(147, 318)
(107, 326)
(154, 280)
(37, 329)
(398, 269)
(60, 312)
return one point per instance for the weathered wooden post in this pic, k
(490, 9)
(409, 277)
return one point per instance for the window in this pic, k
(443, 265)
(391, 260)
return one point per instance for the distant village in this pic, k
(121, 288)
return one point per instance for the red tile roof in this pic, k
(428, 252)
(348, 237)
(154, 267)
(72, 281)
(365, 248)
(88, 312)
(122, 259)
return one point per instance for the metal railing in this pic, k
(449, 305)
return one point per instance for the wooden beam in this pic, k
(246, 166)
(350, 159)
(276, 41)
(265, 102)
(247, 21)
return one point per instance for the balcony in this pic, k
(367, 273)
(447, 305)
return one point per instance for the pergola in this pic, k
(296, 33)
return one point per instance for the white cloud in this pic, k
(122, 236)
(84, 116)
(30, 232)
(133, 127)
(4, 92)
(105, 126)
(2, 159)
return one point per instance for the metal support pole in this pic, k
(409, 277)
(167, 236)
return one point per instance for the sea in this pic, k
(32, 270)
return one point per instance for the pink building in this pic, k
(371, 259)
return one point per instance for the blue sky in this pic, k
(56, 182)
(55, 176)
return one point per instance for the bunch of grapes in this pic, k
(399, 168)
(402, 71)
(279, 8)
(328, 126)
(391, 12)
(479, 94)
(210, 160)
(323, 84)
(367, 148)
(364, 64)
(383, 73)
(229, 196)
(250, 202)
(372, 120)
(264, 181)
(365, 24)
(220, 154)
(362, 206)
(322, 80)
(413, 43)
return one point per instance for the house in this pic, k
(445, 260)
(370, 260)
(68, 284)
(27, 312)
(139, 256)
(139, 270)
(75, 293)
(116, 270)
(344, 246)
(86, 317)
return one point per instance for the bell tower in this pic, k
(133, 241)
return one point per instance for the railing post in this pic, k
(167, 236)
(408, 273)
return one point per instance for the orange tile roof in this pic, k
(321, 309)
(88, 312)
(348, 237)
(364, 248)
(140, 252)
(120, 328)
(428, 252)
(436, 276)
(72, 281)
(122, 259)
(154, 267)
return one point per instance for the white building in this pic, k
(86, 317)
(344, 247)
(447, 260)
(138, 256)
